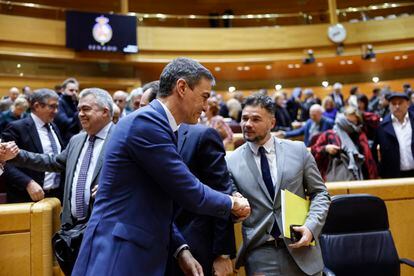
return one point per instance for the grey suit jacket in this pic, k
(66, 160)
(296, 172)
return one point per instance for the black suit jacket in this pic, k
(202, 150)
(389, 167)
(25, 134)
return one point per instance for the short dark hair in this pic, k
(363, 99)
(42, 95)
(261, 100)
(185, 68)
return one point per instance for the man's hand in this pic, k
(306, 239)
(241, 207)
(94, 190)
(188, 264)
(332, 149)
(8, 151)
(35, 191)
(222, 266)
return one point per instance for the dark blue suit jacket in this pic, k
(130, 228)
(25, 134)
(389, 167)
(202, 150)
(326, 123)
(67, 118)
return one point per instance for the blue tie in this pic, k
(267, 178)
(56, 180)
(83, 175)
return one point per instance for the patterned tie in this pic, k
(83, 174)
(52, 140)
(267, 178)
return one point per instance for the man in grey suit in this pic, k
(82, 159)
(261, 168)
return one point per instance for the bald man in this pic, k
(315, 125)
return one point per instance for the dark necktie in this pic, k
(267, 178)
(83, 175)
(52, 140)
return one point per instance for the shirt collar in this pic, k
(395, 120)
(38, 122)
(103, 132)
(171, 120)
(269, 146)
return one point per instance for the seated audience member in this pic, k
(374, 101)
(81, 160)
(16, 112)
(134, 101)
(383, 108)
(36, 133)
(329, 106)
(283, 121)
(7, 101)
(353, 96)
(337, 96)
(313, 126)
(347, 137)
(308, 101)
(362, 103)
(234, 108)
(216, 121)
(120, 99)
(150, 92)
(67, 116)
(394, 137)
(293, 104)
(117, 113)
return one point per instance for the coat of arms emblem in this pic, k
(102, 31)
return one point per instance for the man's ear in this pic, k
(273, 122)
(181, 87)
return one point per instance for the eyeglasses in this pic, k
(50, 106)
(73, 90)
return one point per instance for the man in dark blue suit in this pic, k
(131, 226)
(313, 126)
(395, 137)
(211, 240)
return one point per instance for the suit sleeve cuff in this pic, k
(179, 249)
(232, 202)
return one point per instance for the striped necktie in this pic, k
(83, 175)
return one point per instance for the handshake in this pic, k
(8, 150)
(241, 207)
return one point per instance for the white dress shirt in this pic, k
(170, 117)
(97, 148)
(403, 131)
(270, 150)
(48, 183)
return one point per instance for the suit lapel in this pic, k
(76, 154)
(388, 128)
(280, 162)
(34, 135)
(99, 162)
(251, 164)
(182, 136)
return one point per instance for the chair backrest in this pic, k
(356, 239)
